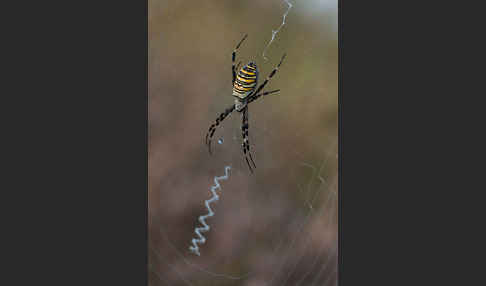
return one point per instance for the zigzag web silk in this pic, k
(274, 32)
(201, 239)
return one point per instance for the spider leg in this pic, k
(213, 126)
(237, 67)
(233, 56)
(246, 143)
(256, 96)
(269, 77)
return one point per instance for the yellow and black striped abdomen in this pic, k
(246, 80)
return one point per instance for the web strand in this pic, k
(274, 32)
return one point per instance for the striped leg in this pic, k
(256, 96)
(237, 68)
(269, 77)
(246, 143)
(213, 126)
(233, 56)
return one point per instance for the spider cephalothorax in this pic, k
(245, 92)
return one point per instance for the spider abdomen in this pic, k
(246, 80)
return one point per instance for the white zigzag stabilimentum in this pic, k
(202, 219)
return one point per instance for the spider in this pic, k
(245, 92)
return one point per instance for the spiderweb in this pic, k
(279, 225)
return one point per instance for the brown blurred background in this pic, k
(279, 225)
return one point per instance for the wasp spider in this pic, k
(245, 92)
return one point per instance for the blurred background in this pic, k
(277, 226)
